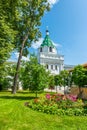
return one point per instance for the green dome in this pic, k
(47, 42)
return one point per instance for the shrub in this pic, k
(59, 104)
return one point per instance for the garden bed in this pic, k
(59, 104)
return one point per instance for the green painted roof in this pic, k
(47, 42)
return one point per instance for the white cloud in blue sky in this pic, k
(15, 55)
(52, 2)
(67, 22)
(39, 42)
(57, 45)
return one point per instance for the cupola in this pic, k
(47, 45)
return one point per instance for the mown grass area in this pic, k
(14, 115)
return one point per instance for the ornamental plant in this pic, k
(59, 104)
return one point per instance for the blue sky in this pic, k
(67, 24)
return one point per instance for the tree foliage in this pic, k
(58, 80)
(34, 76)
(64, 76)
(29, 14)
(51, 81)
(7, 31)
(79, 76)
(7, 34)
(19, 27)
(6, 75)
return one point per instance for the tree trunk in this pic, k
(64, 90)
(79, 89)
(36, 94)
(80, 92)
(56, 89)
(18, 65)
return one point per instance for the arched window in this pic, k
(41, 49)
(55, 67)
(47, 66)
(52, 67)
(50, 49)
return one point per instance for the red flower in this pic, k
(48, 96)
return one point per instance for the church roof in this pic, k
(47, 41)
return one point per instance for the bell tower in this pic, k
(48, 56)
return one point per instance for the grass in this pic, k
(14, 115)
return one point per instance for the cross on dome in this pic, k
(47, 31)
(47, 41)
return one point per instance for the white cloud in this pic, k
(25, 58)
(38, 43)
(16, 55)
(56, 44)
(52, 2)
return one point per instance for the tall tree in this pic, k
(7, 34)
(34, 76)
(79, 76)
(51, 82)
(29, 15)
(64, 76)
(7, 74)
(58, 81)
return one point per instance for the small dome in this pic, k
(47, 41)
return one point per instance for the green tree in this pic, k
(79, 76)
(7, 32)
(64, 76)
(51, 81)
(58, 81)
(29, 15)
(35, 76)
(7, 74)
(70, 81)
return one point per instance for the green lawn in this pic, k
(15, 116)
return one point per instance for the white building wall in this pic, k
(51, 61)
(51, 58)
(45, 49)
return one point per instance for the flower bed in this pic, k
(59, 104)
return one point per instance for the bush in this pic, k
(59, 104)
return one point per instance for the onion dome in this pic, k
(47, 41)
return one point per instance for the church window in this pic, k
(50, 49)
(41, 49)
(47, 66)
(55, 67)
(52, 67)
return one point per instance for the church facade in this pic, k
(49, 57)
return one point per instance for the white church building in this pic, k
(49, 56)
